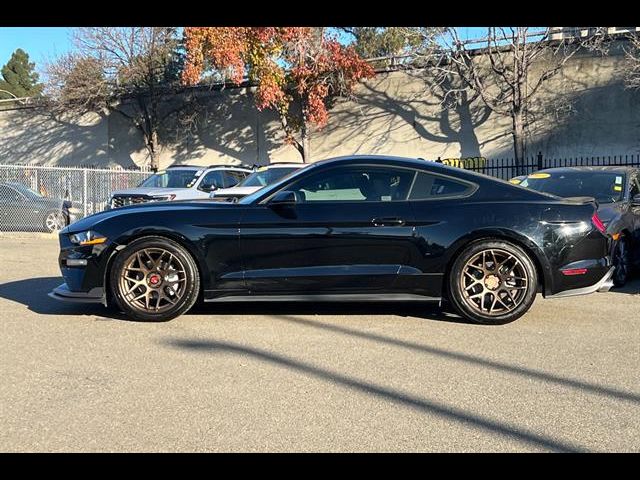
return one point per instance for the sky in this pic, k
(44, 43)
(41, 43)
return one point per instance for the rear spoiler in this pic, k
(584, 200)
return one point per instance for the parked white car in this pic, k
(180, 182)
(262, 177)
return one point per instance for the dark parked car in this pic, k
(24, 209)
(350, 228)
(617, 191)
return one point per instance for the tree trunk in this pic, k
(518, 141)
(152, 144)
(306, 143)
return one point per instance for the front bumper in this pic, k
(84, 279)
(62, 292)
(603, 285)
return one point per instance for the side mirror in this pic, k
(285, 197)
(636, 199)
(207, 187)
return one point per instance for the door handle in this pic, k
(387, 222)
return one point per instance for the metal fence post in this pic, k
(539, 160)
(84, 191)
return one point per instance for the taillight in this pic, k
(574, 271)
(595, 219)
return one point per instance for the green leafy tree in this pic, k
(372, 42)
(19, 78)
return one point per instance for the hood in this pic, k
(235, 191)
(149, 191)
(90, 222)
(52, 202)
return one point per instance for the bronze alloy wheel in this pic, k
(152, 280)
(493, 282)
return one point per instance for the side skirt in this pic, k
(345, 297)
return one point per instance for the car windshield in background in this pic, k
(266, 177)
(172, 179)
(605, 187)
(26, 190)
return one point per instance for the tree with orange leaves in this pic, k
(297, 70)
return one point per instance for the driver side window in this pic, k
(353, 184)
(212, 180)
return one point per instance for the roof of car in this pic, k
(284, 165)
(603, 168)
(205, 167)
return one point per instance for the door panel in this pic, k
(326, 247)
(350, 229)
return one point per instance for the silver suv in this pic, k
(180, 182)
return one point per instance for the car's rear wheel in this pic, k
(492, 282)
(54, 221)
(154, 279)
(622, 262)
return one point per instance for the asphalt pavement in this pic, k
(338, 377)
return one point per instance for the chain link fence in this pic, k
(36, 198)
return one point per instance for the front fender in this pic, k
(157, 231)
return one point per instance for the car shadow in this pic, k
(33, 293)
(632, 287)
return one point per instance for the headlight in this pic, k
(87, 238)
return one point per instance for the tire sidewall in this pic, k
(466, 311)
(191, 271)
(616, 281)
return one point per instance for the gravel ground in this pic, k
(304, 377)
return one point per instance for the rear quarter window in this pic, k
(428, 186)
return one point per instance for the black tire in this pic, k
(187, 286)
(54, 221)
(514, 282)
(622, 262)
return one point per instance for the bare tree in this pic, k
(506, 69)
(632, 72)
(127, 70)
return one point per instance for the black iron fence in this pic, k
(506, 168)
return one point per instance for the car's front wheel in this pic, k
(154, 279)
(492, 282)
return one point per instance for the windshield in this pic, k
(266, 177)
(177, 178)
(605, 187)
(26, 190)
(272, 187)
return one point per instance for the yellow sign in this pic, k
(617, 188)
(470, 162)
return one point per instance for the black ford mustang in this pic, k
(350, 228)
